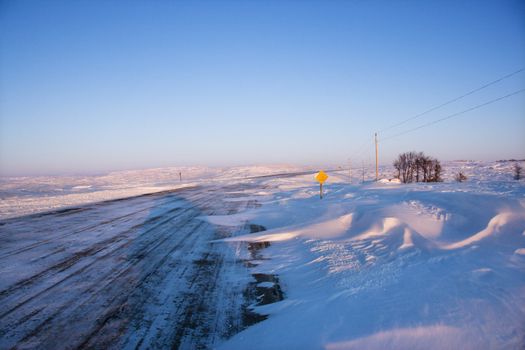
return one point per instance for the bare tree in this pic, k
(517, 171)
(412, 166)
(436, 176)
(419, 165)
(404, 165)
(397, 166)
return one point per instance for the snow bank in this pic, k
(385, 265)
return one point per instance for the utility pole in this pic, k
(377, 168)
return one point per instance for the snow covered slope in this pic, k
(387, 265)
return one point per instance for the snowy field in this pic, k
(370, 266)
(28, 195)
(387, 265)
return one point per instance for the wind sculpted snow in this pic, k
(386, 265)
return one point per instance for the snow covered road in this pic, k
(132, 273)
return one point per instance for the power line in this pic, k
(453, 100)
(455, 114)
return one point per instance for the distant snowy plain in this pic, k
(28, 195)
(372, 265)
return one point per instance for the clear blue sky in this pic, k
(92, 86)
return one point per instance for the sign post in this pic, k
(321, 178)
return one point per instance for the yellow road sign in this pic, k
(321, 176)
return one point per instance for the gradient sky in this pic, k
(92, 86)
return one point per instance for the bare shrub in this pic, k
(460, 177)
(518, 169)
(415, 166)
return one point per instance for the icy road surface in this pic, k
(133, 273)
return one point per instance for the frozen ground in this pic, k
(370, 266)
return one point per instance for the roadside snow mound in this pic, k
(375, 266)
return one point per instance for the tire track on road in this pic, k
(106, 222)
(150, 284)
(91, 251)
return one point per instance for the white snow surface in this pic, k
(27, 195)
(392, 266)
(373, 265)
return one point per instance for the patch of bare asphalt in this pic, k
(258, 292)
